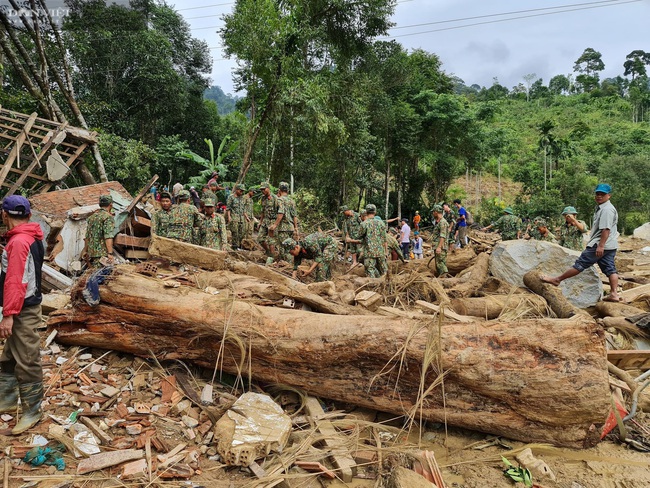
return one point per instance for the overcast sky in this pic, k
(540, 41)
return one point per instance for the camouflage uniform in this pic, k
(237, 206)
(248, 224)
(440, 231)
(285, 230)
(212, 232)
(393, 245)
(160, 222)
(209, 194)
(549, 237)
(183, 220)
(322, 249)
(100, 226)
(508, 226)
(373, 234)
(269, 214)
(351, 227)
(451, 218)
(571, 236)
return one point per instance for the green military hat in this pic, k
(437, 208)
(240, 186)
(363, 213)
(165, 194)
(289, 243)
(208, 202)
(105, 200)
(371, 208)
(343, 208)
(569, 210)
(508, 210)
(284, 186)
(184, 195)
(540, 222)
(264, 184)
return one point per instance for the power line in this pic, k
(506, 13)
(511, 18)
(205, 6)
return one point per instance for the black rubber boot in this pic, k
(31, 396)
(8, 393)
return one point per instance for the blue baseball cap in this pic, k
(603, 188)
(17, 206)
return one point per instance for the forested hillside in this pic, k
(351, 119)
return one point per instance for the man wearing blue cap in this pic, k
(21, 373)
(602, 245)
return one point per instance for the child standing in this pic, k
(417, 246)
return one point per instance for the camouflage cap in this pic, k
(508, 210)
(343, 208)
(105, 200)
(371, 208)
(240, 186)
(183, 195)
(540, 222)
(363, 213)
(437, 208)
(264, 184)
(289, 243)
(283, 186)
(569, 210)
(208, 202)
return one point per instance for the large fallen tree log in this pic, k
(533, 380)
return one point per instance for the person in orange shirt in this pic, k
(416, 221)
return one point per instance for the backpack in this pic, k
(469, 218)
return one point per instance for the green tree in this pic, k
(589, 64)
(559, 84)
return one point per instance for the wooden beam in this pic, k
(16, 149)
(141, 195)
(448, 312)
(630, 359)
(36, 161)
(634, 293)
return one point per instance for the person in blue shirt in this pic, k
(461, 224)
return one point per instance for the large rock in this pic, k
(511, 260)
(643, 232)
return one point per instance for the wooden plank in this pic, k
(36, 161)
(630, 359)
(132, 241)
(634, 293)
(142, 193)
(104, 438)
(108, 459)
(345, 464)
(20, 140)
(447, 311)
(137, 254)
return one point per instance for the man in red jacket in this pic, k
(21, 373)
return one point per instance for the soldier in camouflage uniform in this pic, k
(236, 215)
(372, 235)
(212, 232)
(450, 216)
(542, 231)
(266, 236)
(100, 232)
(572, 231)
(508, 225)
(185, 220)
(319, 247)
(248, 214)
(351, 228)
(286, 223)
(439, 239)
(206, 194)
(161, 218)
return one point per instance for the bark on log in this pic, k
(614, 309)
(490, 307)
(478, 275)
(534, 380)
(456, 261)
(552, 294)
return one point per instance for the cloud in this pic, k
(494, 52)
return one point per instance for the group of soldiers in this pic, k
(569, 234)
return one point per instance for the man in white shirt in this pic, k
(405, 238)
(602, 245)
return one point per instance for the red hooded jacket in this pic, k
(22, 262)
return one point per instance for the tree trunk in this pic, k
(479, 274)
(490, 307)
(553, 295)
(614, 309)
(532, 380)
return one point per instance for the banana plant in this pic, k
(226, 148)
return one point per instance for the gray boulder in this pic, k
(643, 232)
(511, 260)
